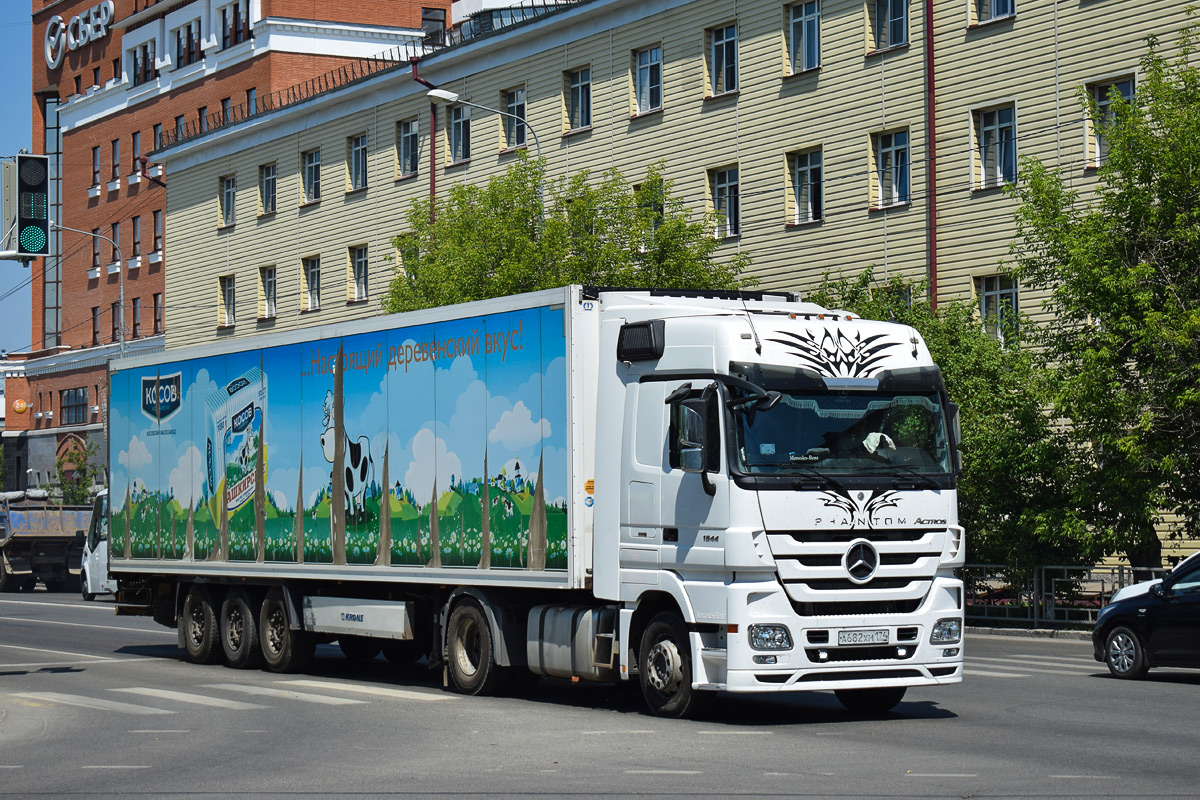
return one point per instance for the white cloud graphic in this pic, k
(137, 457)
(186, 481)
(431, 460)
(517, 430)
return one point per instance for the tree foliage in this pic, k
(522, 232)
(76, 471)
(1015, 494)
(1122, 271)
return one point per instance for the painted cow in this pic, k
(360, 467)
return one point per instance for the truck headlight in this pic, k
(946, 631)
(770, 637)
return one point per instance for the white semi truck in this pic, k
(701, 492)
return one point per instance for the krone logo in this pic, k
(861, 561)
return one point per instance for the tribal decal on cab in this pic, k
(861, 508)
(837, 355)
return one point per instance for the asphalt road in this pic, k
(96, 706)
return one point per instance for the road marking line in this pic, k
(1076, 674)
(12, 766)
(114, 766)
(1057, 658)
(69, 663)
(399, 694)
(91, 702)
(989, 674)
(607, 733)
(1019, 660)
(663, 772)
(55, 652)
(185, 697)
(85, 625)
(95, 606)
(269, 692)
(148, 730)
(940, 775)
(1087, 777)
(735, 733)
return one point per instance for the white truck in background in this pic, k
(700, 492)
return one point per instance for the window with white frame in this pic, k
(158, 312)
(312, 282)
(116, 160)
(722, 59)
(889, 22)
(647, 79)
(460, 133)
(1104, 95)
(135, 149)
(997, 305)
(356, 147)
(266, 292)
(804, 35)
(578, 85)
(144, 69)
(96, 165)
(227, 300)
(726, 201)
(996, 146)
(808, 196)
(514, 117)
(312, 176)
(358, 273)
(158, 231)
(266, 188)
(187, 44)
(228, 195)
(235, 24)
(891, 168)
(136, 231)
(987, 10)
(407, 146)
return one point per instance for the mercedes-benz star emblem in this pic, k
(861, 561)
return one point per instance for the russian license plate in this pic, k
(863, 637)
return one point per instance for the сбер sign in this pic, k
(81, 29)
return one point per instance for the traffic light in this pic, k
(33, 206)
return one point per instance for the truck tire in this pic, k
(665, 669)
(8, 581)
(471, 653)
(199, 622)
(283, 649)
(239, 631)
(359, 648)
(870, 701)
(1124, 654)
(83, 586)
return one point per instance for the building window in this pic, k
(647, 79)
(890, 23)
(202, 119)
(514, 119)
(579, 98)
(158, 312)
(724, 183)
(226, 110)
(73, 405)
(136, 314)
(180, 126)
(986, 10)
(158, 230)
(96, 166)
(723, 59)
(228, 194)
(358, 272)
(357, 147)
(266, 288)
(144, 67)
(407, 143)
(187, 44)
(227, 300)
(1103, 95)
(114, 311)
(312, 283)
(116, 160)
(158, 142)
(996, 135)
(136, 231)
(135, 148)
(804, 36)
(997, 305)
(96, 248)
(251, 101)
(807, 186)
(116, 242)
(312, 176)
(433, 24)
(460, 133)
(266, 189)
(234, 24)
(891, 167)
(95, 326)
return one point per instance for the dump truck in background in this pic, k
(40, 540)
(711, 492)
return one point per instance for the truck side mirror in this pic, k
(691, 439)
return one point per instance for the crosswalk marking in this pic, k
(399, 694)
(1025, 666)
(1037, 660)
(286, 694)
(187, 697)
(91, 702)
(989, 674)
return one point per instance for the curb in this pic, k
(1032, 633)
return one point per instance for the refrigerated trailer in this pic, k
(699, 492)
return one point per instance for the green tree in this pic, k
(1015, 495)
(522, 232)
(76, 472)
(1122, 271)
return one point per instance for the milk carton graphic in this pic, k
(234, 424)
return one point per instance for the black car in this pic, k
(1152, 624)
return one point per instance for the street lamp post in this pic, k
(446, 97)
(121, 270)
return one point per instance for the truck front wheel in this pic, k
(284, 649)
(665, 669)
(471, 652)
(239, 631)
(200, 628)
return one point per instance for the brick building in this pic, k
(112, 81)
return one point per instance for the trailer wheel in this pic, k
(200, 628)
(870, 701)
(471, 653)
(283, 649)
(665, 669)
(359, 648)
(239, 631)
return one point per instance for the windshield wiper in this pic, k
(823, 478)
(920, 476)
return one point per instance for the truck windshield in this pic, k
(841, 433)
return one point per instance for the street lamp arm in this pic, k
(120, 266)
